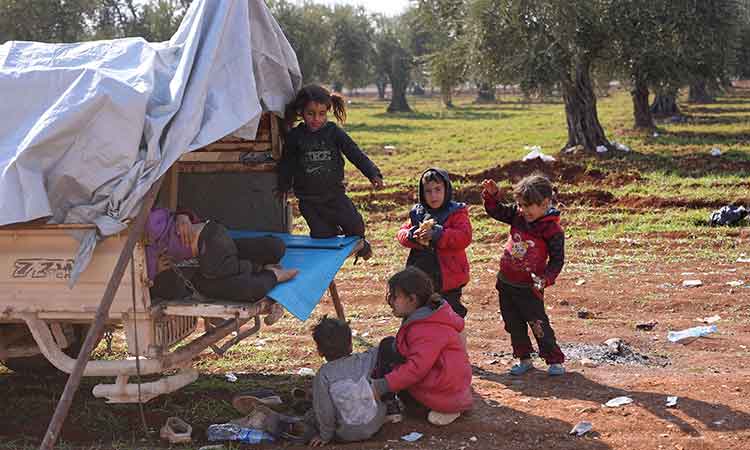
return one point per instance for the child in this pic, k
(440, 249)
(434, 368)
(313, 165)
(343, 402)
(234, 270)
(533, 257)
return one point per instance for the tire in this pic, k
(37, 365)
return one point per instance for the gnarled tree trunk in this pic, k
(399, 77)
(641, 109)
(381, 85)
(665, 105)
(446, 95)
(580, 110)
(699, 93)
(485, 93)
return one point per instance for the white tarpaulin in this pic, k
(87, 128)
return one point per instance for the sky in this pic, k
(387, 7)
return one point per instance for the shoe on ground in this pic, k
(176, 431)
(522, 367)
(442, 419)
(394, 411)
(366, 251)
(555, 370)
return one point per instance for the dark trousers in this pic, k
(228, 269)
(388, 359)
(521, 308)
(332, 216)
(453, 297)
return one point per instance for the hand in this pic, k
(163, 262)
(490, 187)
(375, 393)
(184, 229)
(377, 182)
(316, 442)
(424, 235)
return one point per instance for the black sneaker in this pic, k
(365, 252)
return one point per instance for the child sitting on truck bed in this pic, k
(221, 268)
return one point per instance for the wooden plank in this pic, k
(225, 167)
(275, 138)
(168, 193)
(212, 157)
(247, 146)
(134, 235)
(336, 301)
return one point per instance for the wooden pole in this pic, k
(74, 380)
(336, 301)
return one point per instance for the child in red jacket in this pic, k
(438, 231)
(533, 257)
(429, 361)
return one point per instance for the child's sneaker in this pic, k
(522, 367)
(393, 410)
(555, 370)
(442, 419)
(365, 252)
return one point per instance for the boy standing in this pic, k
(438, 231)
(343, 402)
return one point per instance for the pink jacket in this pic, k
(437, 372)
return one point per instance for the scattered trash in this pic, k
(710, 320)
(232, 378)
(614, 345)
(599, 354)
(719, 422)
(656, 134)
(233, 432)
(176, 431)
(676, 336)
(692, 283)
(563, 303)
(581, 428)
(306, 372)
(601, 149)
(743, 259)
(412, 437)
(646, 326)
(580, 282)
(588, 362)
(727, 215)
(491, 362)
(574, 149)
(473, 439)
(622, 147)
(736, 283)
(671, 401)
(365, 334)
(618, 401)
(583, 313)
(536, 152)
(389, 147)
(716, 151)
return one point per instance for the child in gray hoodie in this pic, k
(343, 402)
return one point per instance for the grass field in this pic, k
(628, 216)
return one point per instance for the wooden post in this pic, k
(336, 301)
(134, 234)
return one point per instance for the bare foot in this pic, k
(283, 275)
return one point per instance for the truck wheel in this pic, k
(37, 365)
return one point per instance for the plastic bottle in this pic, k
(674, 336)
(232, 432)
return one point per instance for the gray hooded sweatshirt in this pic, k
(342, 399)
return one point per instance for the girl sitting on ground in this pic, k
(428, 363)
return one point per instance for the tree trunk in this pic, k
(446, 94)
(580, 111)
(699, 93)
(485, 94)
(381, 85)
(399, 77)
(641, 110)
(665, 105)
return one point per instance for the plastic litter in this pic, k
(712, 319)
(580, 282)
(727, 215)
(232, 378)
(614, 345)
(692, 283)
(581, 428)
(676, 336)
(736, 283)
(389, 147)
(536, 152)
(412, 437)
(743, 259)
(622, 147)
(601, 149)
(306, 372)
(656, 134)
(232, 432)
(671, 401)
(618, 401)
(176, 431)
(716, 151)
(473, 439)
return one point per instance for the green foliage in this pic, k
(352, 48)
(45, 20)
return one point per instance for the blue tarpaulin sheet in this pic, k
(318, 261)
